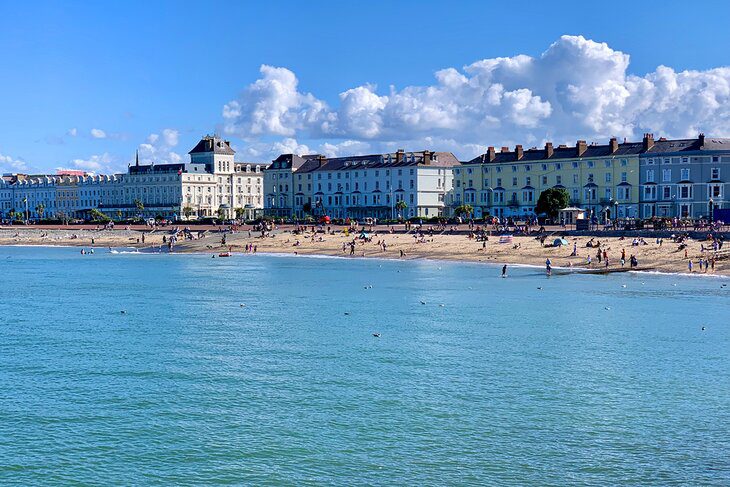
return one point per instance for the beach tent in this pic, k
(558, 242)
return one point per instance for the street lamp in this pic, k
(712, 212)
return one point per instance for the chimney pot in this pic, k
(580, 147)
(491, 154)
(505, 149)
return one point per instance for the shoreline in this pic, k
(564, 271)
(667, 258)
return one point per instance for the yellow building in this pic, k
(603, 179)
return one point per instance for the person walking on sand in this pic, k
(548, 266)
(689, 265)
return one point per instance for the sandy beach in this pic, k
(650, 255)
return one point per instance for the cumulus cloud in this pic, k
(97, 163)
(98, 134)
(9, 164)
(159, 148)
(577, 88)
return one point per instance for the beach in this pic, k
(520, 250)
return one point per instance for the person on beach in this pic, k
(548, 266)
(689, 265)
(504, 270)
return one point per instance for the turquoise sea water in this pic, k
(503, 384)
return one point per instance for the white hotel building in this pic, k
(210, 183)
(359, 186)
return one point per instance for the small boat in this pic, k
(224, 254)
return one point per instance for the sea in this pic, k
(128, 368)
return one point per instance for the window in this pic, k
(607, 163)
(527, 181)
(666, 192)
(544, 180)
(575, 179)
(608, 177)
(685, 174)
(575, 165)
(650, 161)
(499, 168)
(499, 182)
(544, 167)
(558, 179)
(685, 191)
(590, 163)
(666, 175)
(527, 168)
(650, 175)
(514, 181)
(558, 166)
(514, 168)
(624, 162)
(715, 191)
(590, 177)
(623, 177)
(715, 172)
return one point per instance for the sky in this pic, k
(84, 85)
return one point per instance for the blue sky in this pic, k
(155, 76)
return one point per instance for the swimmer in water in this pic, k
(504, 270)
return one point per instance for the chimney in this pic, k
(613, 145)
(702, 140)
(490, 154)
(648, 141)
(505, 150)
(580, 147)
(427, 157)
(399, 155)
(548, 150)
(518, 152)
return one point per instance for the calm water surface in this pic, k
(490, 381)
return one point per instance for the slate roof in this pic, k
(156, 168)
(661, 146)
(212, 143)
(316, 162)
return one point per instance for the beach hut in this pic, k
(570, 214)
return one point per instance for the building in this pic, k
(684, 178)
(602, 179)
(212, 184)
(360, 186)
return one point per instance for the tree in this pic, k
(187, 211)
(239, 213)
(98, 216)
(40, 209)
(307, 207)
(551, 201)
(140, 206)
(221, 213)
(400, 205)
(466, 210)
(119, 214)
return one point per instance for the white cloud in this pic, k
(97, 163)
(72, 132)
(98, 134)
(577, 88)
(159, 148)
(10, 164)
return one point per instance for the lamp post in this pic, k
(712, 212)
(615, 214)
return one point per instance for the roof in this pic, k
(660, 146)
(316, 162)
(214, 144)
(156, 168)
